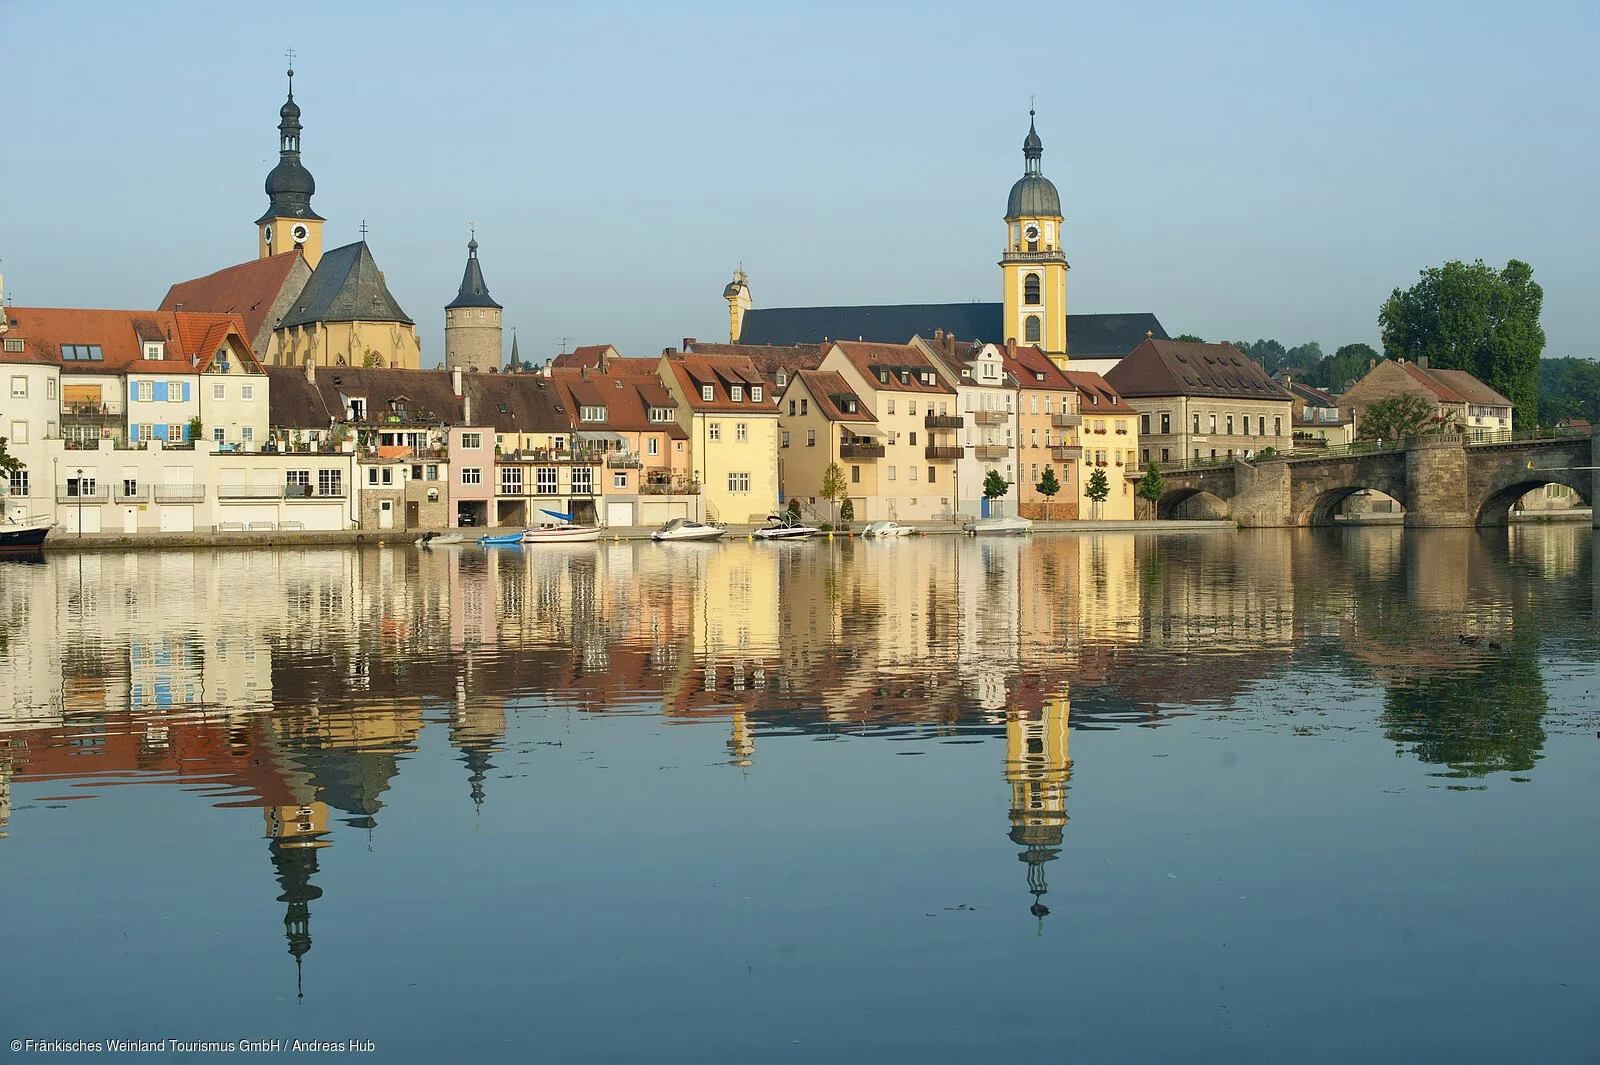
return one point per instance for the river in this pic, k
(1317, 795)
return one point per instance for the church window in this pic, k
(1030, 329)
(1030, 290)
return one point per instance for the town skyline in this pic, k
(621, 190)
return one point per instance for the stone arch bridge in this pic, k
(1440, 480)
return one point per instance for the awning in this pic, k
(599, 436)
(863, 429)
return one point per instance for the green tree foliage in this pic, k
(1568, 388)
(833, 484)
(1304, 356)
(995, 485)
(9, 463)
(196, 427)
(1344, 367)
(847, 512)
(1472, 317)
(1401, 416)
(1151, 485)
(1048, 486)
(1098, 487)
(1270, 354)
(1190, 338)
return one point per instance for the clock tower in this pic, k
(289, 222)
(1035, 266)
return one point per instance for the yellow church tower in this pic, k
(290, 222)
(1038, 767)
(1035, 266)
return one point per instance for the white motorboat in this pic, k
(886, 529)
(564, 533)
(24, 537)
(784, 526)
(1002, 525)
(433, 539)
(685, 529)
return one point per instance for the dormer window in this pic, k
(781, 380)
(755, 393)
(358, 409)
(736, 393)
(592, 414)
(153, 349)
(660, 414)
(883, 376)
(1113, 401)
(707, 393)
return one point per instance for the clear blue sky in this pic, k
(1242, 170)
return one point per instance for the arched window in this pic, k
(1030, 329)
(1030, 290)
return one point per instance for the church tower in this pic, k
(737, 293)
(1035, 266)
(472, 321)
(290, 222)
(1038, 767)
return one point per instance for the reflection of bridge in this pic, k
(1440, 480)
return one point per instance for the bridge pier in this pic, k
(1436, 481)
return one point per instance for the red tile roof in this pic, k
(824, 385)
(870, 358)
(722, 373)
(248, 290)
(1183, 368)
(117, 333)
(1092, 384)
(1032, 368)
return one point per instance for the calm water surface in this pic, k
(1262, 797)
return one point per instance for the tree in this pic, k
(1270, 354)
(1472, 317)
(1151, 485)
(1344, 367)
(1568, 388)
(9, 463)
(833, 486)
(196, 427)
(1097, 488)
(1190, 338)
(1304, 356)
(847, 512)
(1048, 486)
(371, 359)
(1401, 416)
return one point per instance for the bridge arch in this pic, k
(1319, 487)
(1320, 509)
(1504, 474)
(1172, 502)
(1495, 508)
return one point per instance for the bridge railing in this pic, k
(1509, 436)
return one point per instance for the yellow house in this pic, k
(728, 409)
(1048, 418)
(821, 421)
(346, 316)
(1109, 434)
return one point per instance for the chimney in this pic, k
(1011, 347)
(455, 380)
(688, 342)
(1422, 362)
(311, 370)
(950, 343)
(938, 336)
(583, 372)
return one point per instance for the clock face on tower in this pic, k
(1030, 232)
(299, 232)
(266, 233)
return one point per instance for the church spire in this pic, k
(473, 293)
(1032, 148)
(289, 223)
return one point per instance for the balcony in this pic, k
(1066, 421)
(1066, 453)
(941, 451)
(944, 421)
(550, 456)
(861, 451)
(132, 493)
(624, 461)
(71, 493)
(682, 488)
(991, 452)
(306, 491)
(991, 417)
(180, 493)
(255, 491)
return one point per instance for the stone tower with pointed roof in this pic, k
(1034, 265)
(289, 222)
(472, 335)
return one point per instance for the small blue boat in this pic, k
(501, 541)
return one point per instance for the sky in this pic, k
(1242, 170)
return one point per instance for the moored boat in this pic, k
(24, 537)
(686, 529)
(784, 526)
(562, 534)
(503, 539)
(886, 529)
(1000, 526)
(433, 539)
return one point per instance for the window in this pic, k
(1144, 454)
(330, 482)
(811, 438)
(715, 432)
(247, 434)
(1213, 423)
(1230, 425)
(177, 433)
(471, 440)
(592, 414)
(913, 436)
(511, 480)
(19, 482)
(19, 388)
(1165, 453)
(911, 473)
(1047, 409)
(890, 406)
(147, 391)
(152, 351)
(177, 391)
(661, 414)
(1033, 404)
(247, 392)
(583, 480)
(1030, 329)
(652, 446)
(1197, 424)
(707, 393)
(805, 405)
(791, 408)
(739, 482)
(416, 473)
(891, 473)
(388, 475)
(755, 393)
(471, 475)
(1277, 426)
(545, 480)
(1166, 423)
(784, 442)
(219, 391)
(930, 474)
(911, 408)
(855, 474)
(1030, 290)
(144, 432)
(736, 393)
(1261, 426)
(1144, 424)
(15, 344)
(431, 473)
(740, 432)
(216, 434)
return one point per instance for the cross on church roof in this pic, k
(363, 229)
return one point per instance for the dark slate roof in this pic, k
(516, 403)
(1033, 196)
(293, 402)
(474, 293)
(1179, 368)
(346, 286)
(1089, 336)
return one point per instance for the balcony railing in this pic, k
(180, 493)
(624, 461)
(991, 452)
(73, 494)
(683, 488)
(991, 417)
(547, 455)
(1067, 453)
(944, 421)
(253, 491)
(308, 491)
(942, 451)
(134, 495)
(861, 451)
(1066, 421)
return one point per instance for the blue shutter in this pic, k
(161, 391)
(133, 390)
(186, 391)
(160, 428)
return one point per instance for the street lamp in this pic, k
(80, 504)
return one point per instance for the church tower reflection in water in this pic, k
(1038, 768)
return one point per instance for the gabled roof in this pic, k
(626, 397)
(870, 359)
(203, 335)
(769, 358)
(585, 355)
(119, 336)
(295, 403)
(1314, 397)
(1033, 369)
(827, 388)
(1469, 388)
(720, 373)
(1093, 385)
(346, 286)
(1088, 335)
(248, 289)
(1181, 368)
(517, 403)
